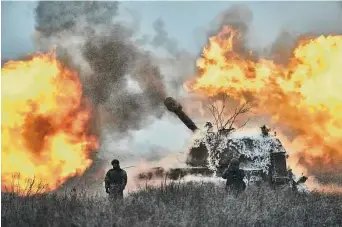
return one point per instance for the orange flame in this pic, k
(44, 124)
(305, 95)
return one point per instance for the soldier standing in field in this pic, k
(234, 176)
(115, 181)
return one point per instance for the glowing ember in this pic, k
(305, 95)
(44, 124)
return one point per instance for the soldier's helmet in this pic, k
(115, 161)
(234, 162)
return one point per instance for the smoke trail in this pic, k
(107, 58)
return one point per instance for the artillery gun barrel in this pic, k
(173, 106)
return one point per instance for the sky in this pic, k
(184, 21)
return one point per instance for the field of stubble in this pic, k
(189, 204)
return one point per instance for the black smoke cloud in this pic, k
(106, 56)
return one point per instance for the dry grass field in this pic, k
(187, 204)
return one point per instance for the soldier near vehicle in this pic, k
(115, 181)
(234, 176)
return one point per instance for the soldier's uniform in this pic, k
(234, 176)
(115, 181)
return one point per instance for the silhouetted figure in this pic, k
(234, 176)
(115, 181)
(294, 183)
(265, 131)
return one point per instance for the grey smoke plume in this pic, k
(311, 26)
(121, 78)
(162, 38)
(179, 63)
(107, 58)
(239, 17)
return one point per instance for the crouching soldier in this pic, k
(234, 176)
(115, 181)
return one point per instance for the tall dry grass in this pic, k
(187, 204)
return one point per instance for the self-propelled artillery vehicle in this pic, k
(262, 156)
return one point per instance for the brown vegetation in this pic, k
(187, 204)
